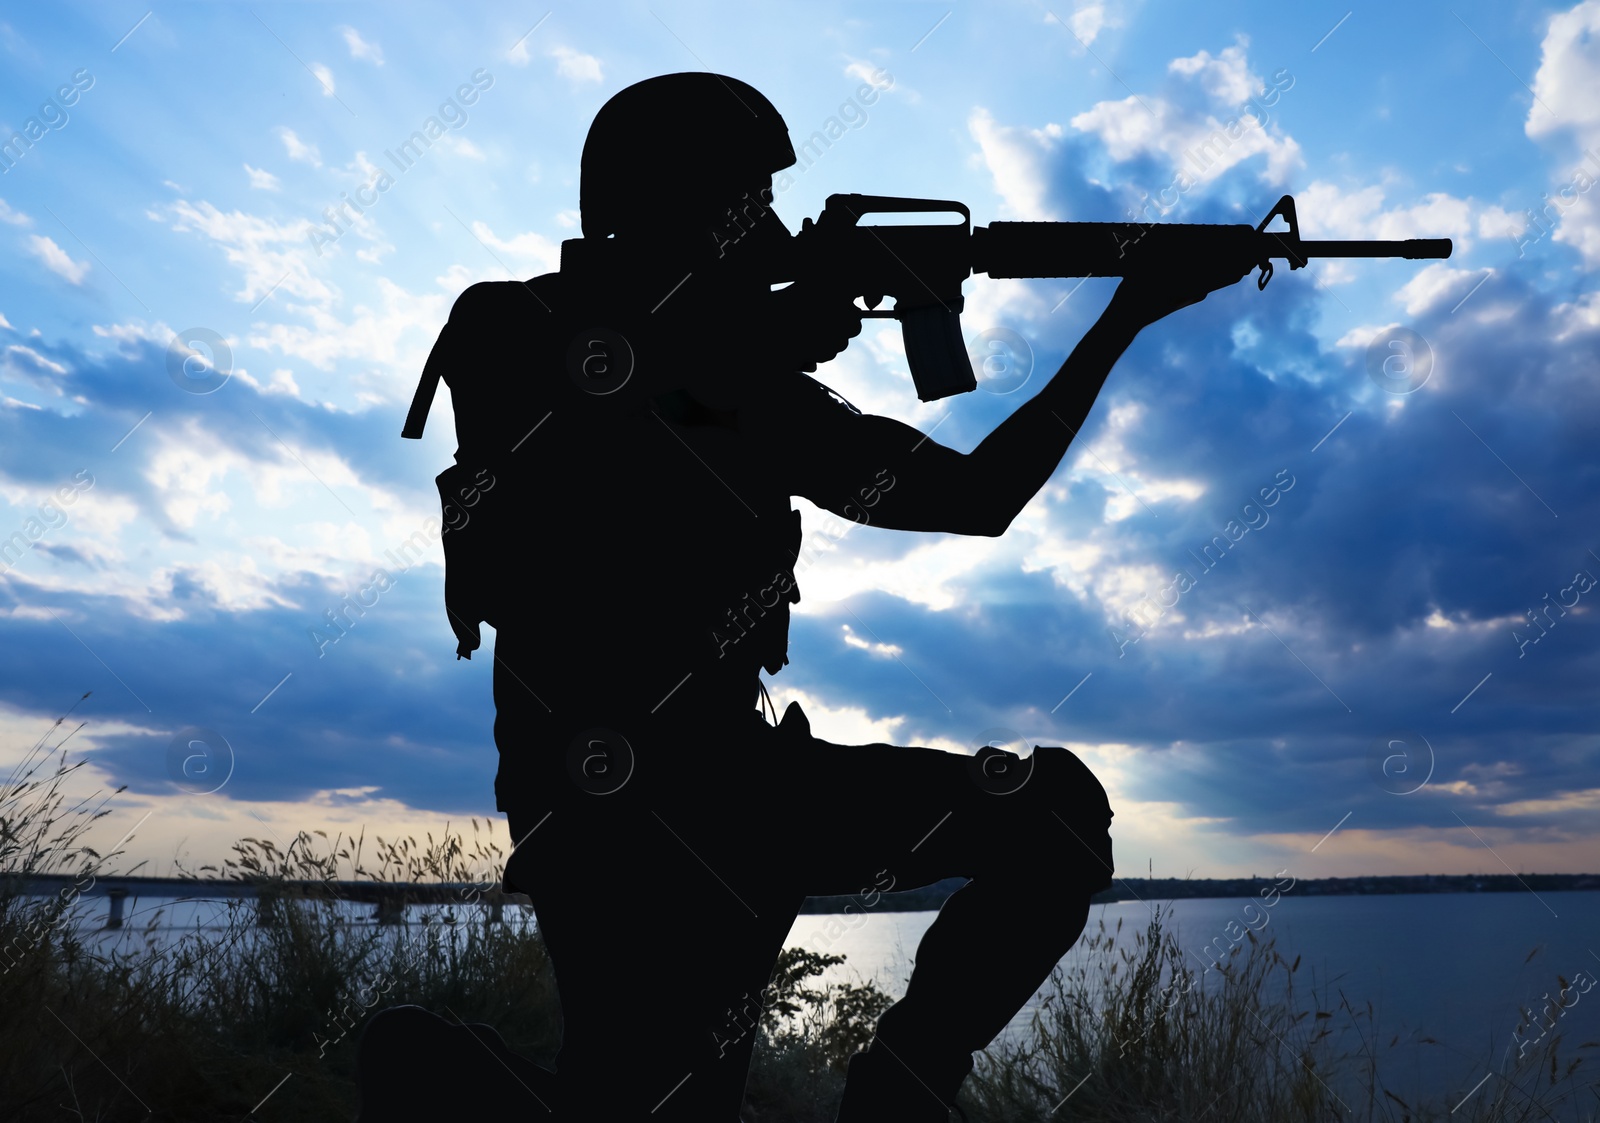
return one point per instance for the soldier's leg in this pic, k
(662, 930)
(654, 1001)
(1041, 851)
(1034, 842)
(660, 965)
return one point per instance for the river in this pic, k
(1453, 968)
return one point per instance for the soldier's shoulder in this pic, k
(522, 299)
(794, 407)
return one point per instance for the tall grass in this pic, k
(1140, 1031)
(206, 1023)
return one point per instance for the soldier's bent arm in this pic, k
(882, 472)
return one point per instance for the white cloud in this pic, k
(1087, 21)
(56, 260)
(1435, 283)
(887, 650)
(130, 334)
(1226, 78)
(282, 382)
(1201, 125)
(868, 74)
(872, 374)
(1015, 158)
(843, 725)
(262, 180)
(1002, 302)
(361, 171)
(13, 217)
(518, 54)
(179, 831)
(1582, 316)
(576, 65)
(1100, 567)
(189, 466)
(234, 581)
(462, 147)
(182, 474)
(935, 571)
(534, 251)
(325, 76)
(201, 483)
(1201, 146)
(1438, 215)
(1362, 335)
(1109, 461)
(1579, 227)
(299, 149)
(390, 342)
(1586, 800)
(360, 48)
(268, 253)
(1497, 222)
(1565, 103)
(31, 362)
(1569, 71)
(1327, 211)
(5, 323)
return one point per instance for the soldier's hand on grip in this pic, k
(809, 326)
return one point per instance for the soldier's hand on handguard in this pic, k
(1150, 294)
(811, 325)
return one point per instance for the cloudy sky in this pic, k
(1360, 661)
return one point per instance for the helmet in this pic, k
(699, 134)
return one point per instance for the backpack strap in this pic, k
(421, 402)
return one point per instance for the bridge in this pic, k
(389, 898)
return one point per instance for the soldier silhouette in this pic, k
(631, 430)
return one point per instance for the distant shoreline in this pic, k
(394, 895)
(1172, 888)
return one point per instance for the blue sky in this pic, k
(176, 180)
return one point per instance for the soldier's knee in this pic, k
(1076, 814)
(1056, 778)
(1044, 821)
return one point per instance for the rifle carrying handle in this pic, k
(931, 329)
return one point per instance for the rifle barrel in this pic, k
(1112, 249)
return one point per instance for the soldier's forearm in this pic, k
(1012, 463)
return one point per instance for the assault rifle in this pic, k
(923, 266)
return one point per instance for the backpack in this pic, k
(491, 404)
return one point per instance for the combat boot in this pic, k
(880, 1089)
